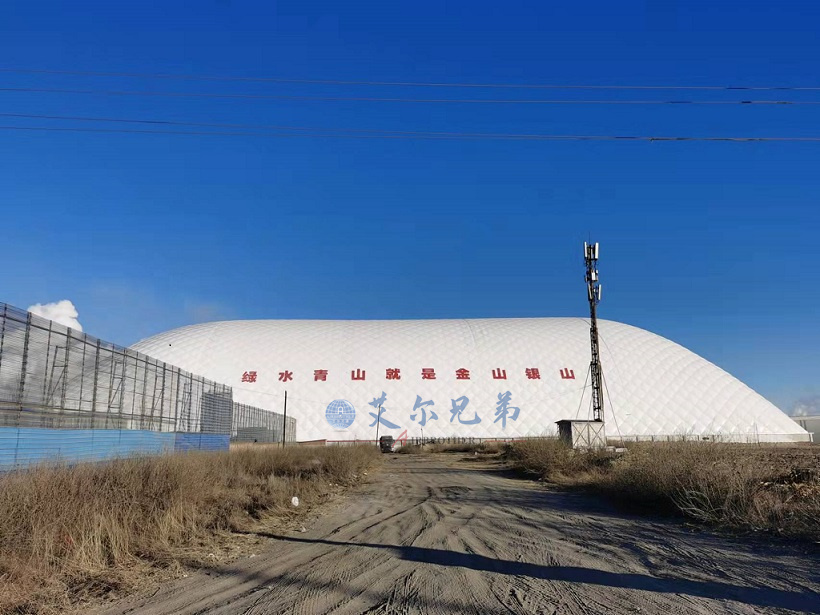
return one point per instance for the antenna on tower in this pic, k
(591, 252)
(586, 434)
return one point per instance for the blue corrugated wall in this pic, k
(21, 447)
(201, 442)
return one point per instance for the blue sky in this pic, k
(710, 244)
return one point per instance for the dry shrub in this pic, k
(724, 484)
(730, 485)
(708, 482)
(69, 532)
(492, 448)
(553, 460)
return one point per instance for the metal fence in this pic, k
(71, 396)
(252, 424)
(52, 376)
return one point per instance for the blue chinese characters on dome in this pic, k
(340, 414)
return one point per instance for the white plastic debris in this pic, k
(294, 500)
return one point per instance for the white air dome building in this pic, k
(484, 378)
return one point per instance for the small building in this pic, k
(582, 434)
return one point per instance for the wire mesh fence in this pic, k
(65, 394)
(252, 424)
(51, 376)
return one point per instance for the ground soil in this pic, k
(449, 534)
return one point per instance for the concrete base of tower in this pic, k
(585, 435)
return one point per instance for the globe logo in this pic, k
(340, 413)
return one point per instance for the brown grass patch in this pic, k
(486, 448)
(730, 485)
(69, 533)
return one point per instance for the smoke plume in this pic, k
(62, 312)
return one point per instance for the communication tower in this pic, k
(589, 434)
(594, 296)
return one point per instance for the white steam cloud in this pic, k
(808, 406)
(62, 312)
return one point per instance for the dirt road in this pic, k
(440, 535)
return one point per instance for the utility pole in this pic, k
(594, 296)
(378, 420)
(285, 421)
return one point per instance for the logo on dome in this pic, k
(340, 414)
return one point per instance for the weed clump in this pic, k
(73, 532)
(730, 485)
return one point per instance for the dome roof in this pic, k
(518, 376)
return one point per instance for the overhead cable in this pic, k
(480, 101)
(85, 118)
(326, 133)
(425, 84)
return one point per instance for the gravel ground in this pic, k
(444, 534)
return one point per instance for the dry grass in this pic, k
(734, 486)
(553, 461)
(73, 532)
(451, 447)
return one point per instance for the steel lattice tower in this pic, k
(594, 296)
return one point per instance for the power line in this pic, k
(83, 118)
(420, 84)
(485, 101)
(378, 132)
(326, 133)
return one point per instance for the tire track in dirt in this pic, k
(437, 535)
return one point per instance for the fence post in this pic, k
(3, 332)
(47, 381)
(175, 392)
(22, 385)
(133, 391)
(65, 374)
(2, 342)
(121, 387)
(162, 399)
(94, 390)
(144, 392)
(80, 400)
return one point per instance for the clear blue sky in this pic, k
(710, 244)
